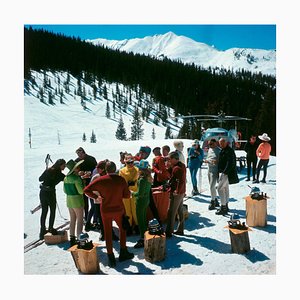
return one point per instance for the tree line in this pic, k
(188, 89)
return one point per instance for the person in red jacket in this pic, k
(161, 174)
(177, 192)
(263, 153)
(110, 190)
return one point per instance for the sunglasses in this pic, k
(129, 162)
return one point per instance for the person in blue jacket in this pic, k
(195, 160)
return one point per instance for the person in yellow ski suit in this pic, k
(130, 173)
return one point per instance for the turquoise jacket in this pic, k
(195, 158)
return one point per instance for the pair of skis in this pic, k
(39, 242)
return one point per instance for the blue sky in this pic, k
(220, 36)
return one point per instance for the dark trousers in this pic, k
(263, 163)
(86, 206)
(48, 200)
(94, 212)
(251, 163)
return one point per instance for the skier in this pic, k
(130, 173)
(50, 178)
(177, 192)
(109, 190)
(161, 174)
(227, 168)
(251, 158)
(212, 159)
(73, 188)
(263, 153)
(195, 160)
(87, 167)
(142, 197)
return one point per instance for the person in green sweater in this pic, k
(142, 196)
(73, 188)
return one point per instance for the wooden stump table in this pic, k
(154, 247)
(256, 212)
(239, 240)
(60, 237)
(86, 261)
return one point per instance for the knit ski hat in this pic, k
(143, 164)
(145, 149)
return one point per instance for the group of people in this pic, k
(104, 193)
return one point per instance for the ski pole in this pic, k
(47, 159)
(60, 212)
(36, 209)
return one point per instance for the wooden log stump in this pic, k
(256, 212)
(86, 261)
(60, 237)
(154, 247)
(239, 240)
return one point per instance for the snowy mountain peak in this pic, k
(189, 51)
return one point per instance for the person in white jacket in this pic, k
(213, 175)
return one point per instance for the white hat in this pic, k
(264, 137)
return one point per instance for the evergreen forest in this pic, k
(188, 89)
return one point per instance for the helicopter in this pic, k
(232, 135)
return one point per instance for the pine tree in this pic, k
(84, 137)
(184, 130)
(153, 135)
(107, 112)
(61, 100)
(156, 120)
(121, 132)
(105, 92)
(93, 137)
(168, 134)
(137, 132)
(41, 94)
(50, 98)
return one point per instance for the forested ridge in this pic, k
(188, 89)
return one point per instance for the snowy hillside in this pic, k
(69, 117)
(189, 51)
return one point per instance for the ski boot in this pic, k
(213, 204)
(124, 254)
(111, 260)
(222, 211)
